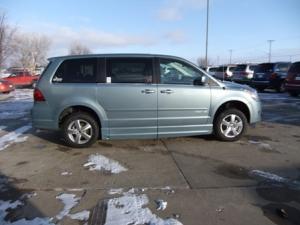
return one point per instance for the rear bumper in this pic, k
(42, 117)
(255, 116)
(292, 87)
(263, 83)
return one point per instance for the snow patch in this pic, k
(261, 144)
(115, 191)
(161, 205)
(6, 205)
(294, 184)
(18, 105)
(69, 201)
(66, 173)
(100, 162)
(130, 209)
(13, 137)
(83, 215)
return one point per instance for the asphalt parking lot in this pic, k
(191, 180)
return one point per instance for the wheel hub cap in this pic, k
(80, 131)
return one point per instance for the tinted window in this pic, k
(222, 69)
(76, 71)
(241, 67)
(295, 68)
(130, 71)
(252, 67)
(175, 72)
(232, 68)
(265, 67)
(282, 67)
(213, 69)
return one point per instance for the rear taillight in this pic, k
(38, 95)
(290, 77)
(273, 76)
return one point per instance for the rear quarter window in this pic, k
(76, 71)
(295, 68)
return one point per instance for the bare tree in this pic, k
(6, 37)
(77, 48)
(30, 50)
(202, 62)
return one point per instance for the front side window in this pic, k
(175, 72)
(129, 70)
(76, 71)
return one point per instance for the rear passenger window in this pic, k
(76, 71)
(129, 71)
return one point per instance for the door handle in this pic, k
(168, 91)
(148, 91)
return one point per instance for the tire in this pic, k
(293, 94)
(73, 133)
(223, 123)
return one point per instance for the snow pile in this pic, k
(130, 209)
(6, 205)
(69, 201)
(100, 162)
(18, 105)
(13, 137)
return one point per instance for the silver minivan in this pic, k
(121, 96)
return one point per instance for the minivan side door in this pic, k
(183, 108)
(129, 98)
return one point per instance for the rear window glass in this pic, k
(252, 67)
(129, 71)
(76, 71)
(265, 67)
(221, 69)
(232, 68)
(282, 67)
(295, 68)
(240, 67)
(213, 69)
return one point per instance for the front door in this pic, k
(183, 108)
(129, 98)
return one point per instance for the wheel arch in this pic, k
(237, 104)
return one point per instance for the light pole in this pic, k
(206, 46)
(270, 49)
(230, 57)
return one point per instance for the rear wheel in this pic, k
(80, 130)
(230, 125)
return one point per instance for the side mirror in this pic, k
(200, 80)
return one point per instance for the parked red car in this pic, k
(21, 79)
(292, 81)
(6, 87)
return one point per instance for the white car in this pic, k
(224, 72)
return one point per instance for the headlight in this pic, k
(253, 94)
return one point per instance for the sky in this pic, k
(174, 27)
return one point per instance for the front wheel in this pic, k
(80, 130)
(230, 125)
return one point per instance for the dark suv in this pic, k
(270, 75)
(292, 82)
